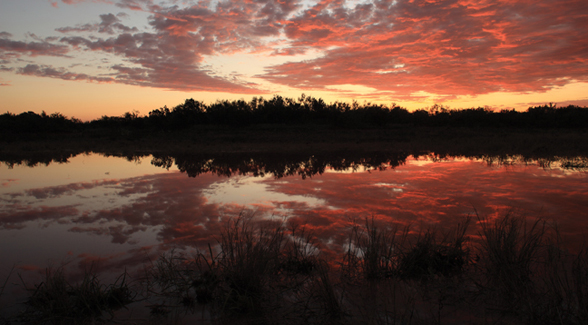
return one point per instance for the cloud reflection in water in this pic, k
(139, 217)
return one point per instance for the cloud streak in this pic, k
(10, 48)
(444, 47)
(403, 49)
(58, 73)
(110, 24)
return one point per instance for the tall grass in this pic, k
(248, 262)
(515, 271)
(529, 273)
(256, 273)
(57, 301)
(510, 248)
(396, 275)
(378, 252)
(373, 252)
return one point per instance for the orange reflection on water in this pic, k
(140, 217)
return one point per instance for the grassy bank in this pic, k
(508, 271)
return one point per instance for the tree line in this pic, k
(305, 110)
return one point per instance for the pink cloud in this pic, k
(58, 73)
(170, 57)
(10, 48)
(449, 47)
(120, 234)
(73, 2)
(399, 48)
(579, 102)
(56, 191)
(7, 182)
(175, 40)
(110, 24)
(19, 215)
(137, 5)
(55, 3)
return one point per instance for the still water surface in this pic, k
(113, 213)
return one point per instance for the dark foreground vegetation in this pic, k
(508, 271)
(279, 111)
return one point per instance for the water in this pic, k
(115, 213)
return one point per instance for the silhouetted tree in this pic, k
(306, 110)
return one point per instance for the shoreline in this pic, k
(220, 140)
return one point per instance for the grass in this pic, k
(57, 301)
(511, 248)
(514, 270)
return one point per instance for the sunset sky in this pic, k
(88, 58)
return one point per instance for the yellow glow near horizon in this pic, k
(524, 100)
(88, 101)
(340, 51)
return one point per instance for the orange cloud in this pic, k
(448, 47)
(171, 56)
(403, 50)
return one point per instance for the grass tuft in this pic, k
(432, 256)
(272, 272)
(510, 248)
(57, 301)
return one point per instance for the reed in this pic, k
(273, 272)
(510, 251)
(57, 301)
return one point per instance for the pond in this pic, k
(109, 213)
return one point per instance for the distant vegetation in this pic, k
(304, 111)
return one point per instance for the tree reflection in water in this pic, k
(413, 189)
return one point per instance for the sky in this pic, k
(89, 58)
